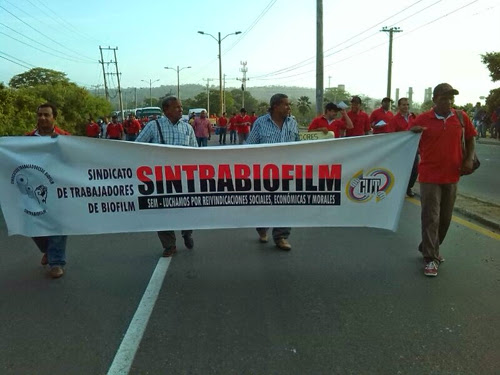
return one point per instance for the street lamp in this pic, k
(178, 70)
(219, 40)
(150, 96)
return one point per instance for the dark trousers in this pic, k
(277, 232)
(437, 201)
(414, 173)
(167, 237)
(222, 136)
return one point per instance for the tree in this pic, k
(38, 76)
(492, 61)
(335, 95)
(303, 105)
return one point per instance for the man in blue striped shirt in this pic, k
(275, 127)
(170, 130)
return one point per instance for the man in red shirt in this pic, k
(242, 126)
(327, 122)
(131, 127)
(402, 121)
(222, 125)
(202, 129)
(114, 129)
(380, 117)
(92, 129)
(231, 126)
(253, 117)
(442, 161)
(360, 120)
(52, 247)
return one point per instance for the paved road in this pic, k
(343, 301)
(484, 183)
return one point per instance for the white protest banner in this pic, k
(77, 185)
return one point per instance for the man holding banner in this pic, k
(172, 131)
(52, 247)
(441, 163)
(275, 127)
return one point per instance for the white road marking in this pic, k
(130, 343)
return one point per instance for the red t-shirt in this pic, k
(399, 124)
(222, 122)
(132, 126)
(360, 122)
(93, 130)
(321, 122)
(377, 115)
(252, 119)
(57, 130)
(114, 131)
(243, 124)
(440, 147)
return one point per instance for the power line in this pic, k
(63, 22)
(39, 49)
(46, 36)
(5, 58)
(311, 59)
(255, 22)
(13, 57)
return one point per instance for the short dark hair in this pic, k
(356, 99)
(401, 99)
(276, 100)
(243, 110)
(166, 102)
(49, 105)
(331, 107)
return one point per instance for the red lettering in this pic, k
(143, 172)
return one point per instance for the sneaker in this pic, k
(263, 237)
(410, 193)
(56, 272)
(44, 260)
(188, 242)
(431, 269)
(283, 244)
(169, 252)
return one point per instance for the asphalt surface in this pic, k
(484, 183)
(343, 301)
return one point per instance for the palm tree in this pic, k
(303, 105)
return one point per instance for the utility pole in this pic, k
(319, 56)
(410, 96)
(135, 91)
(119, 88)
(391, 31)
(208, 95)
(397, 97)
(223, 95)
(329, 80)
(104, 76)
(244, 80)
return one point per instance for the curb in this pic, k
(472, 215)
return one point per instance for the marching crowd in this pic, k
(446, 151)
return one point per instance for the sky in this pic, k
(440, 41)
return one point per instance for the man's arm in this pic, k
(347, 119)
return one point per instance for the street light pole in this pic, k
(150, 85)
(178, 84)
(219, 41)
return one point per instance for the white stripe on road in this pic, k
(130, 343)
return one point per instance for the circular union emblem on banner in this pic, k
(362, 187)
(32, 181)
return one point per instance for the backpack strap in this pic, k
(159, 131)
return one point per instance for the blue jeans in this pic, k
(130, 137)
(54, 247)
(202, 141)
(232, 136)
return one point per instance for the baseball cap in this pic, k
(444, 88)
(356, 99)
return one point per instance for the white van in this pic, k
(196, 111)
